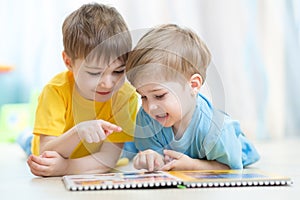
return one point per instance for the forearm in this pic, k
(51, 163)
(87, 165)
(99, 162)
(198, 164)
(63, 144)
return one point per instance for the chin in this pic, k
(103, 98)
(165, 123)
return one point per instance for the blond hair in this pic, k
(92, 25)
(179, 49)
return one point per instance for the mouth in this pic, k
(103, 93)
(161, 117)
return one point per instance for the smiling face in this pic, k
(169, 103)
(96, 81)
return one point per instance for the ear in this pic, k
(67, 60)
(196, 82)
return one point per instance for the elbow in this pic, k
(105, 169)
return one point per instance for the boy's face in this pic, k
(96, 81)
(170, 103)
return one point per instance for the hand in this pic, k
(176, 161)
(149, 160)
(94, 131)
(49, 163)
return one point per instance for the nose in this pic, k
(152, 105)
(106, 81)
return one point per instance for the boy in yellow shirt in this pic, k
(85, 114)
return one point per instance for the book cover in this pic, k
(226, 178)
(174, 179)
(125, 180)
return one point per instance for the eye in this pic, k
(94, 74)
(160, 96)
(119, 71)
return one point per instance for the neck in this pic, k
(180, 127)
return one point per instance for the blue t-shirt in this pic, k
(211, 135)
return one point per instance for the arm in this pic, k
(69, 139)
(92, 131)
(54, 123)
(50, 163)
(179, 161)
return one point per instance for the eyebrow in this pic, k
(154, 90)
(93, 67)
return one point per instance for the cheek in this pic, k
(119, 81)
(87, 83)
(175, 106)
(145, 106)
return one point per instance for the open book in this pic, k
(174, 179)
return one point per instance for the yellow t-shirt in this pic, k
(60, 108)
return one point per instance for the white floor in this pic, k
(280, 157)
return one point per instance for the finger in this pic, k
(36, 168)
(101, 135)
(109, 127)
(49, 154)
(139, 161)
(84, 134)
(37, 159)
(172, 154)
(88, 138)
(142, 160)
(157, 164)
(165, 167)
(96, 136)
(45, 159)
(150, 162)
(167, 158)
(136, 162)
(169, 166)
(34, 171)
(29, 161)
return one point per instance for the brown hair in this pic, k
(94, 25)
(179, 49)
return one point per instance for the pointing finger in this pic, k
(109, 127)
(172, 154)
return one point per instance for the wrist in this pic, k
(195, 164)
(69, 167)
(72, 135)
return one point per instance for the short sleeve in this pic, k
(49, 117)
(225, 146)
(50, 113)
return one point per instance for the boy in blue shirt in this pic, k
(177, 128)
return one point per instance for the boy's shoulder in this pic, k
(61, 82)
(126, 95)
(204, 106)
(127, 90)
(62, 78)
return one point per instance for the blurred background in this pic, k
(255, 46)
